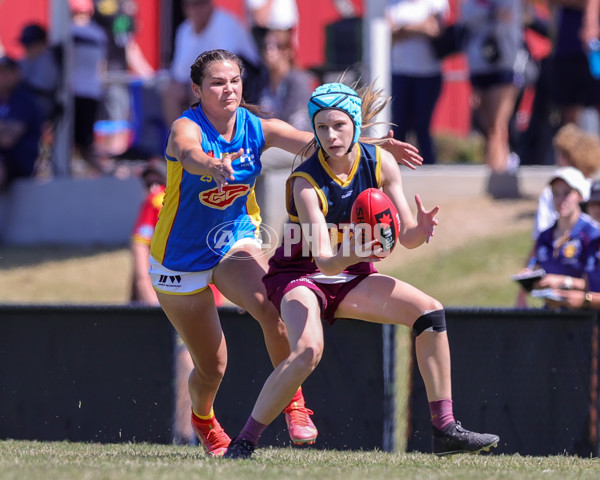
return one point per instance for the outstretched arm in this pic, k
(413, 231)
(282, 135)
(184, 143)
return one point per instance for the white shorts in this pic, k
(187, 283)
(178, 283)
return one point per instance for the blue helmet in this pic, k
(340, 97)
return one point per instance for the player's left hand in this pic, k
(426, 219)
(404, 153)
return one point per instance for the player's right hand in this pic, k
(222, 170)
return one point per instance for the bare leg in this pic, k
(301, 310)
(239, 278)
(495, 109)
(196, 320)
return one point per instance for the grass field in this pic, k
(83, 461)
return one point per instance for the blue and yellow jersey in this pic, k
(198, 224)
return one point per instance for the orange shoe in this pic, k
(211, 435)
(300, 427)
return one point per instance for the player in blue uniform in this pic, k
(207, 232)
(310, 278)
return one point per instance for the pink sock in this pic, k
(252, 430)
(441, 413)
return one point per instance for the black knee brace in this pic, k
(432, 321)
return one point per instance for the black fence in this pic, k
(530, 376)
(103, 374)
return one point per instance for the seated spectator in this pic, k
(206, 27)
(287, 89)
(567, 250)
(40, 68)
(574, 148)
(585, 294)
(20, 125)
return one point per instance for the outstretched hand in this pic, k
(221, 169)
(426, 219)
(404, 153)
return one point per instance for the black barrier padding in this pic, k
(85, 374)
(346, 391)
(103, 374)
(522, 374)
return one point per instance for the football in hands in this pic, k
(375, 218)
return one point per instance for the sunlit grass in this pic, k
(20, 460)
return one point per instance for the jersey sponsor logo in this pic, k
(224, 198)
(247, 157)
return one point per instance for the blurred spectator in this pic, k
(532, 132)
(495, 37)
(40, 68)
(566, 250)
(574, 148)
(20, 125)
(287, 88)
(273, 14)
(416, 72)
(117, 19)
(592, 206)
(266, 15)
(154, 180)
(591, 24)
(206, 27)
(88, 68)
(573, 87)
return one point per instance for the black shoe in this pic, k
(455, 439)
(239, 448)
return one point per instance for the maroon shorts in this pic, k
(329, 294)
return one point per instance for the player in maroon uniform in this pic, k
(310, 279)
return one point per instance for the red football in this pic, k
(377, 218)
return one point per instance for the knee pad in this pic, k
(431, 321)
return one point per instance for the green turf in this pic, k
(476, 274)
(20, 460)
